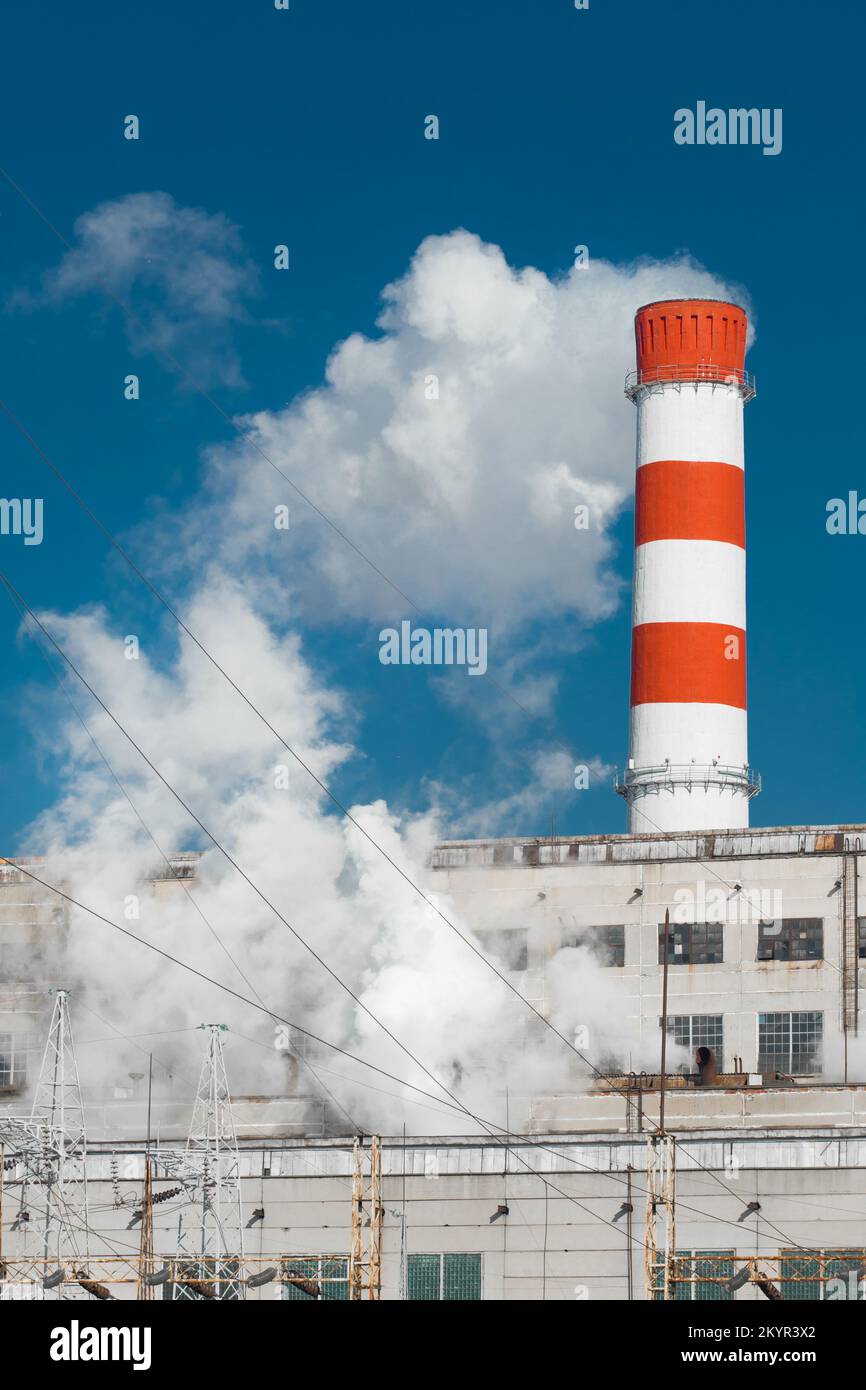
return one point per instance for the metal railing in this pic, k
(641, 779)
(214, 1274)
(787, 1275)
(688, 373)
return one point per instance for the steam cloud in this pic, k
(528, 423)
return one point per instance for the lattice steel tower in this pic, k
(57, 1124)
(215, 1241)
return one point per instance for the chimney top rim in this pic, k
(699, 299)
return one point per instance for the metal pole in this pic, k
(670, 1159)
(356, 1262)
(664, 1020)
(53, 1180)
(374, 1270)
(149, 1096)
(856, 863)
(404, 1271)
(628, 1231)
(144, 1291)
(843, 974)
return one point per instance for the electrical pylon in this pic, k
(57, 1123)
(356, 1257)
(214, 1244)
(146, 1265)
(365, 1260)
(661, 1207)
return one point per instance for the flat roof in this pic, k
(751, 842)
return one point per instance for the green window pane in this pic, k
(304, 1269)
(799, 1279)
(335, 1269)
(453, 1277)
(847, 1268)
(425, 1273)
(682, 1271)
(321, 1273)
(461, 1277)
(694, 1275)
(708, 1268)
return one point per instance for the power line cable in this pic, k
(358, 1001)
(331, 972)
(175, 876)
(248, 438)
(486, 1125)
(254, 444)
(336, 801)
(457, 1105)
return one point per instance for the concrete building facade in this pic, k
(768, 961)
(562, 1234)
(764, 922)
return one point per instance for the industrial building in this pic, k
(734, 1173)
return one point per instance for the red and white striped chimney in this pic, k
(688, 760)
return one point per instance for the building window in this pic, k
(699, 1276)
(832, 1275)
(790, 1043)
(861, 937)
(606, 943)
(509, 948)
(792, 938)
(692, 943)
(445, 1277)
(13, 1061)
(697, 1030)
(315, 1278)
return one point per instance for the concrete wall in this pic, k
(553, 892)
(561, 896)
(557, 1240)
(30, 920)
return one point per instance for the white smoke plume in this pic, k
(453, 449)
(466, 501)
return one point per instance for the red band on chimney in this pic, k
(688, 663)
(677, 499)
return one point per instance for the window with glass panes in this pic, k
(692, 943)
(790, 1042)
(444, 1277)
(861, 937)
(791, 938)
(836, 1276)
(13, 1060)
(844, 1275)
(700, 1276)
(315, 1278)
(606, 943)
(697, 1030)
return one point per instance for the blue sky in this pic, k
(306, 128)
